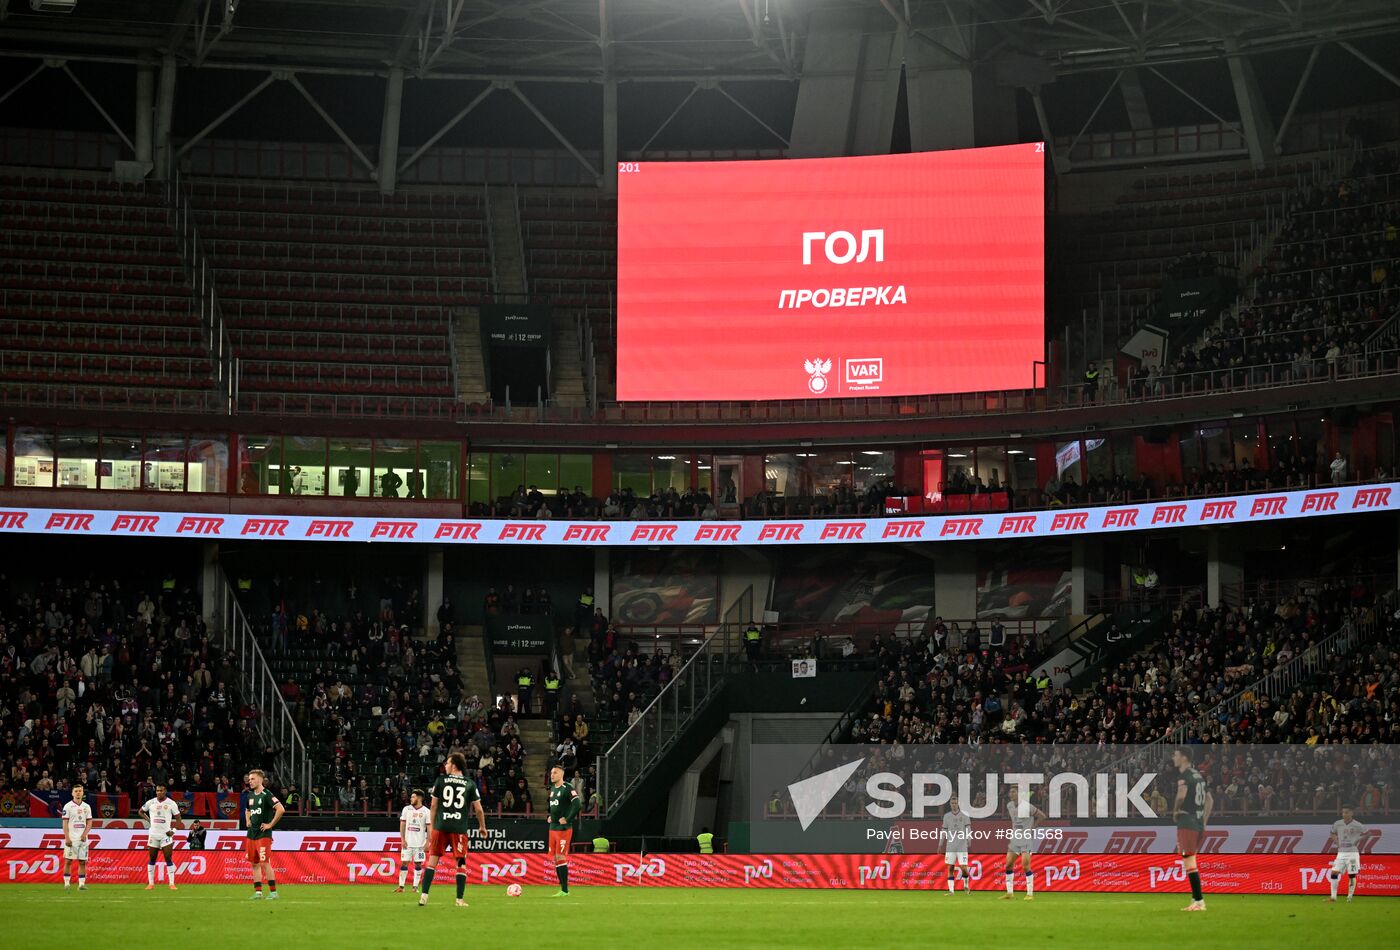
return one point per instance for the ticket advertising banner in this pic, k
(975, 526)
(833, 277)
(1121, 873)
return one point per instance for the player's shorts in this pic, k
(559, 842)
(956, 857)
(75, 850)
(1347, 863)
(440, 841)
(259, 850)
(1188, 842)
(1024, 845)
(158, 842)
(413, 855)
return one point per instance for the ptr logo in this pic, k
(817, 370)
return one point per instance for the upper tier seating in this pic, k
(95, 307)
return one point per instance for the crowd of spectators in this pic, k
(116, 684)
(1331, 282)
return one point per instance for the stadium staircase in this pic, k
(259, 684)
(507, 247)
(566, 354)
(471, 664)
(469, 358)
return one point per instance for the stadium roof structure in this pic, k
(1068, 55)
(664, 40)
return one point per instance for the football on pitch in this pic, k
(515, 890)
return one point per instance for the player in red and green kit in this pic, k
(261, 815)
(454, 796)
(564, 806)
(1191, 811)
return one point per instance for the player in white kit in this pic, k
(957, 836)
(414, 822)
(1020, 841)
(77, 822)
(162, 817)
(1347, 833)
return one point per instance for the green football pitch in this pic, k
(363, 917)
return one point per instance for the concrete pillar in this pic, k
(145, 112)
(389, 133)
(433, 588)
(850, 84)
(1224, 572)
(1255, 121)
(941, 93)
(610, 135)
(1135, 100)
(165, 108)
(955, 583)
(602, 582)
(1086, 573)
(209, 584)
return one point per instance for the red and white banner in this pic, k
(1059, 522)
(509, 835)
(833, 277)
(1127, 873)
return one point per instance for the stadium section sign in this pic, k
(515, 324)
(828, 278)
(1055, 523)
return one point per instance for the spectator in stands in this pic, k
(1338, 469)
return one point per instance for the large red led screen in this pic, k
(830, 278)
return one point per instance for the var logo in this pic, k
(48, 864)
(1157, 876)
(656, 867)
(753, 872)
(1311, 876)
(516, 868)
(865, 371)
(880, 871)
(384, 868)
(1066, 872)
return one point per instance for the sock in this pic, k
(427, 879)
(271, 886)
(563, 871)
(151, 873)
(257, 886)
(1011, 882)
(403, 874)
(1030, 884)
(170, 873)
(82, 878)
(461, 883)
(417, 874)
(1195, 878)
(967, 880)
(1351, 885)
(1333, 880)
(952, 881)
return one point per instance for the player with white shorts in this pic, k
(77, 823)
(1021, 841)
(957, 836)
(414, 821)
(1347, 833)
(162, 818)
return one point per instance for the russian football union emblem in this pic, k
(817, 370)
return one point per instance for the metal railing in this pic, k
(259, 687)
(641, 746)
(206, 299)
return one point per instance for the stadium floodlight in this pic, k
(53, 6)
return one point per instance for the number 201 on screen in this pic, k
(629, 167)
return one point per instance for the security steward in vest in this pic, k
(753, 642)
(524, 686)
(706, 841)
(552, 682)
